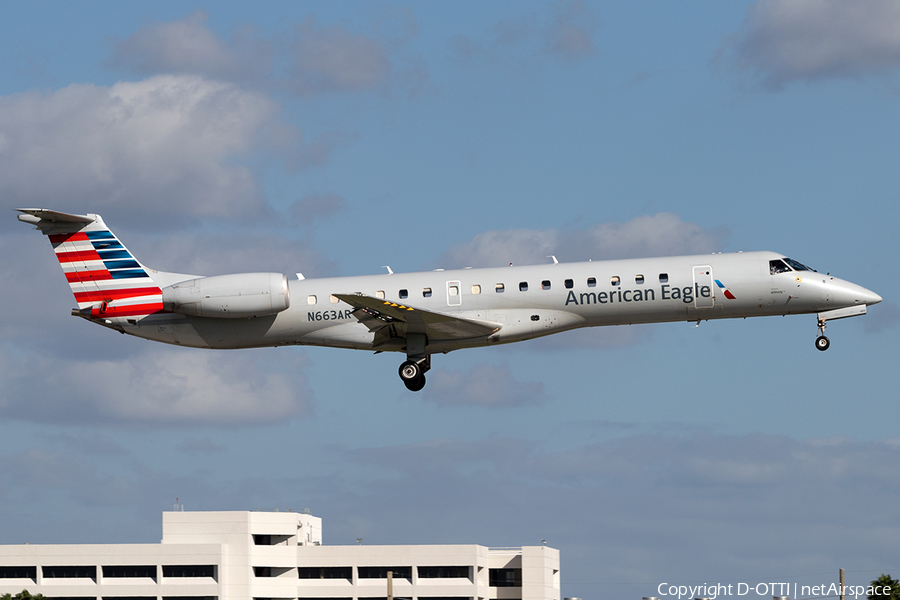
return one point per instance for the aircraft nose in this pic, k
(854, 294)
(870, 297)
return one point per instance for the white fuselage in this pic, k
(525, 302)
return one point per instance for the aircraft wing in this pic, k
(388, 319)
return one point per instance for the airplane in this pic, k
(434, 312)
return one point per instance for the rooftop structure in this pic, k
(262, 555)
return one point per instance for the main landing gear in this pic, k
(822, 342)
(412, 373)
(418, 362)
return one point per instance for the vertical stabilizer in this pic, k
(106, 279)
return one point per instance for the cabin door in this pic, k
(703, 287)
(454, 293)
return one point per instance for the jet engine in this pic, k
(229, 296)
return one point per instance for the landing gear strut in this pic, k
(412, 373)
(418, 362)
(822, 342)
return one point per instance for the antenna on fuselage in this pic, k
(555, 262)
(390, 272)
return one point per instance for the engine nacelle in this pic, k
(229, 296)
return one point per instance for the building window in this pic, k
(404, 294)
(189, 571)
(569, 284)
(443, 572)
(592, 282)
(70, 572)
(325, 573)
(265, 539)
(614, 280)
(311, 299)
(523, 286)
(381, 572)
(505, 577)
(663, 277)
(639, 279)
(129, 571)
(476, 289)
(18, 572)
(499, 288)
(426, 292)
(545, 284)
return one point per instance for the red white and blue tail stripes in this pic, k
(103, 274)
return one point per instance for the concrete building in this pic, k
(261, 555)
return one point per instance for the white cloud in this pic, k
(307, 60)
(189, 47)
(163, 147)
(659, 235)
(566, 31)
(332, 59)
(311, 207)
(484, 385)
(571, 32)
(807, 40)
(164, 386)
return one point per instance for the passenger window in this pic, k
(499, 288)
(426, 292)
(404, 294)
(663, 277)
(453, 290)
(545, 285)
(476, 289)
(523, 286)
(614, 280)
(778, 266)
(380, 294)
(310, 299)
(569, 284)
(333, 299)
(592, 282)
(639, 279)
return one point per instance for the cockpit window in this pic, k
(797, 266)
(778, 266)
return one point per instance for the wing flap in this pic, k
(378, 314)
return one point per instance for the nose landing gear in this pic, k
(822, 342)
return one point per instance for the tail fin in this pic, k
(105, 277)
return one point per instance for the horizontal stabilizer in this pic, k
(376, 313)
(36, 215)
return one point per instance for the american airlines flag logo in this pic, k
(104, 276)
(728, 294)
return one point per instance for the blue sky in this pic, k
(334, 138)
